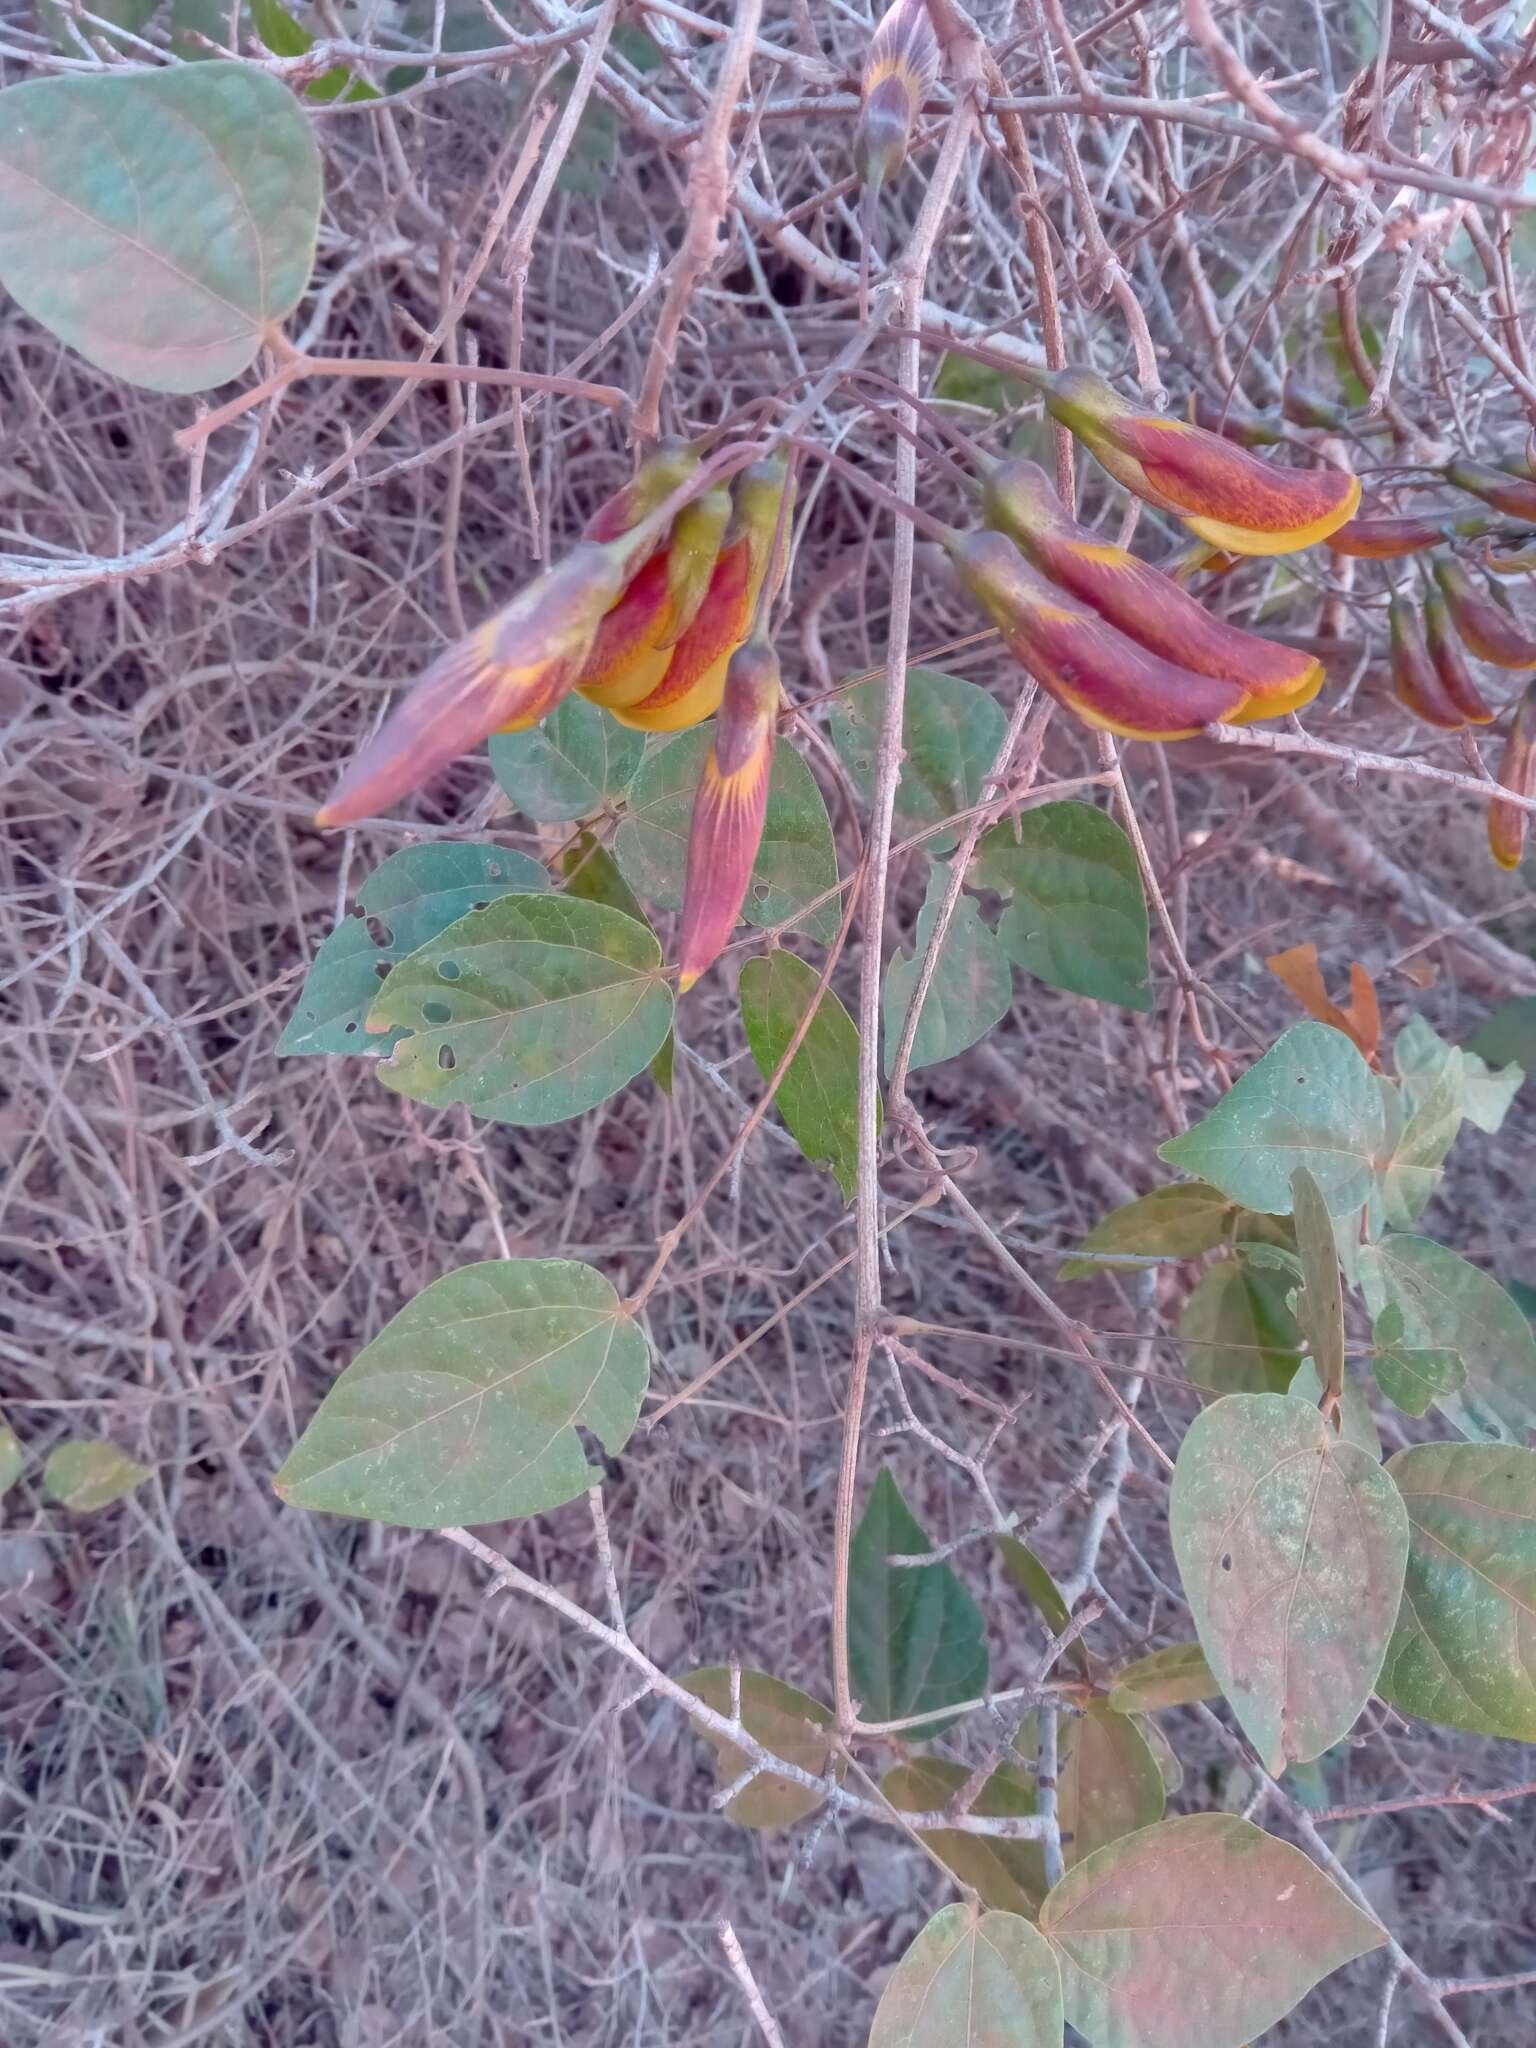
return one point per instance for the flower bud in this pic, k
(668, 466)
(1386, 537)
(1414, 678)
(726, 828)
(692, 554)
(1450, 660)
(1513, 495)
(901, 69)
(1490, 631)
(1507, 823)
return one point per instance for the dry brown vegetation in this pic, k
(273, 1778)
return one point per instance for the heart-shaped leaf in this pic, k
(160, 221)
(972, 1980)
(1412, 1377)
(971, 986)
(1108, 1781)
(1448, 1304)
(951, 731)
(1196, 1933)
(818, 1096)
(464, 1408)
(1176, 1222)
(1238, 1335)
(783, 1719)
(1464, 1652)
(1078, 919)
(916, 1639)
(528, 1011)
(1291, 1544)
(577, 760)
(408, 899)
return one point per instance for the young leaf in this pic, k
(1175, 1222)
(1359, 1019)
(464, 1408)
(1321, 1308)
(1196, 1933)
(1238, 1334)
(1006, 1874)
(1508, 1035)
(89, 1475)
(1464, 1652)
(528, 1011)
(1078, 919)
(1175, 1677)
(579, 759)
(818, 1097)
(98, 239)
(1291, 1544)
(1108, 1781)
(795, 864)
(916, 1639)
(1311, 1101)
(972, 1980)
(407, 900)
(1423, 1058)
(951, 731)
(1412, 1378)
(971, 986)
(285, 37)
(1035, 1582)
(783, 1719)
(1448, 1304)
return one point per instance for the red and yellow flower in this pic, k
(1508, 823)
(726, 828)
(1414, 676)
(1141, 601)
(900, 71)
(1507, 491)
(1491, 632)
(1450, 660)
(1385, 537)
(1221, 492)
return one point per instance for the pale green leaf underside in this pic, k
(972, 1980)
(579, 759)
(1448, 1304)
(970, 989)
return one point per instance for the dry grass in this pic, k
(279, 1779)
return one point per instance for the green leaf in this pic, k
(407, 900)
(1239, 1336)
(1356, 1423)
(464, 1408)
(1464, 1652)
(1311, 1101)
(578, 760)
(1175, 1677)
(1412, 1379)
(1108, 1781)
(964, 381)
(1162, 1749)
(1035, 1582)
(784, 1720)
(818, 1097)
(161, 222)
(285, 37)
(592, 875)
(916, 1639)
(1175, 1222)
(972, 1980)
(1509, 1034)
(1291, 1544)
(1196, 1933)
(795, 864)
(971, 986)
(1078, 919)
(950, 735)
(1320, 1310)
(1448, 1304)
(1006, 1874)
(13, 1458)
(89, 1475)
(1421, 1056)
(528, 1011)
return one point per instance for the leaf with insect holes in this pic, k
(89, 1475)
(1464, 1650)
(970, 989)
(1412, 1377)
(1175, 1677)
(1238, 1335)
(162, 222)
(1291, 1544)
(784, 1720)
(1078, 918)
(1003, 1872)
(916, 1639)
(408, 899)
(972, 1980)
(818, 1096)
(1448, 1304)
(796, 862)
(465, 1407)
(569, 766)
(951, 731)
(1108, 1781)
(1175, 1222)
(528, 1011)
(1196, 1933)
(1310, 1101)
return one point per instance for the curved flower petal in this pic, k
(726, 828)
(1508, 823)
(692, 553)
(1108, 679)
(1235, 422)
(1483, 623)
(506, 674)
(669, 465)
(627, 661)
(1414, 677)
(1450, 660)
(1144, 603)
